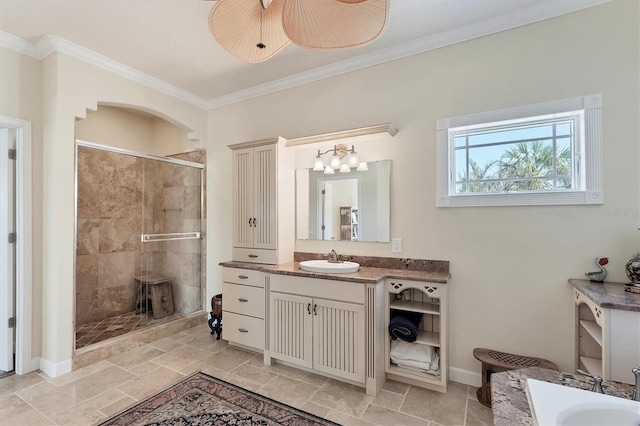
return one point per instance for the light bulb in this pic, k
(345, 168)
(362, 167)
(318, 165)
(335, 162)
(328, 170)
(353, 160)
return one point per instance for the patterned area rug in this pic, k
(203, 400)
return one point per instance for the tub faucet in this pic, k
(333, 257)
(597, 381)
(636, 390)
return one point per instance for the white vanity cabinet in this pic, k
(318, 324)
(243, 307)
(607, 339)
(429, 300)
(263, 208)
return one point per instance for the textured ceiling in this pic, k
(170, 39)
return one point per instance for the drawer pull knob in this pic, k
(243, 300)
(243, 277)
(243, 330)
(253, 256)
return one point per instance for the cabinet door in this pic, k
(290, 328)
(243, 197)
(338, 339)
(265, 197)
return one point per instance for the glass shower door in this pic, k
(170, 279)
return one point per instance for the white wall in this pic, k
(20, 97)
(131, 130)
(509, 265)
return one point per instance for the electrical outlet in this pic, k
(396, 245)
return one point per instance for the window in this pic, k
(538, 154)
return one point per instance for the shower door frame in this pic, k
(93, 145)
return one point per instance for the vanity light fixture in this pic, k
(339, 152)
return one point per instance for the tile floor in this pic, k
(90, 394)
(95, 332)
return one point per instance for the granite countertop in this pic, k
(372, 269)
(509, 398)
(608, 295)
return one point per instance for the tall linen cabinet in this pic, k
(263, 207)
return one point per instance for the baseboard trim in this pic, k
(53, 369)
(465, 377)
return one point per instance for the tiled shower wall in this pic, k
(173, 195)
(120, 197)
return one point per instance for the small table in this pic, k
(156, 289)
(495, 362)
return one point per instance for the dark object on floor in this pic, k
(495, 362)
(202, 399)
(215, 322)
(404, 325)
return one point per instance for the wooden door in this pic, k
(265, 197)
(243, 198)
(290, 328)
(338, 339)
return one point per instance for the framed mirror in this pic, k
(344, 206)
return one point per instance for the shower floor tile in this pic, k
(95, 332)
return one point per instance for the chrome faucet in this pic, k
(333, 257)
(597, 381)
(636, 390)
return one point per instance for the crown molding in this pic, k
(49, 44)
(487, 27)
(344, 134)
(18, 44)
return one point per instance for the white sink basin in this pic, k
(553, 404)
(325, 267)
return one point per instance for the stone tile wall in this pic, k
(119, 198)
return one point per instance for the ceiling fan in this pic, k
(255, 30)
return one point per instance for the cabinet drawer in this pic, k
(317, 287)
(255, 255)
(243, 276)
(243, 330)
(243, 299)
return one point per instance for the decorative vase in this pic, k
(632, 268)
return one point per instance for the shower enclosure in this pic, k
(139, 241)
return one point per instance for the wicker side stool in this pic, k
(495, 362)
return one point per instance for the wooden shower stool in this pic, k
(154, 295)
(495, 362)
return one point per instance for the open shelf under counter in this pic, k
(429, 338)
(593, 329)
(592, 365)
(394, 369)
(415, 306)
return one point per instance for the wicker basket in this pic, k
(216, 304)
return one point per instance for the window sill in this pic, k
(520, 199)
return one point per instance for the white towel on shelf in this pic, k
(415, 356)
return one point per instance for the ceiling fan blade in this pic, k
(334, 25)
(247, 30)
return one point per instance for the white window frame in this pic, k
(590, 187)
